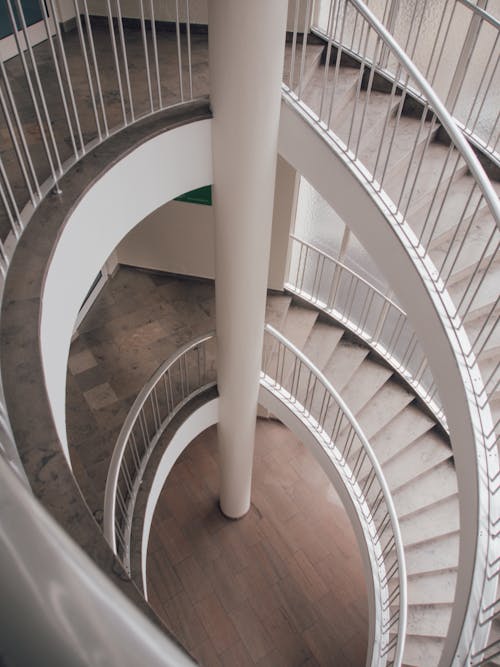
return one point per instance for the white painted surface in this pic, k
(205, 416)
(162, 168)
(310, 154)
(245, 76)
(178, 238)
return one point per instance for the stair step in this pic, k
(432, 587)
(421, 455)
(321, 343)
(429, 488)
(298, 324)
(439, 553)
(311, 64)
(428, 620)
(344, 361)
(389, 401)
(345, 90)
(422, 651)
(369, 377)
(483, 300)
(431, 522)
(276, 308)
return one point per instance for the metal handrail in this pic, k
(318, 277)
(351, 461)
(456, 74)
(394, 200)
(165, 401)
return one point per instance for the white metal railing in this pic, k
(60, 99)
(349, 298)
(454, 43)
(308, 393)
(187, 373)
(389, 140)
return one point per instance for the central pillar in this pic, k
(246, 50)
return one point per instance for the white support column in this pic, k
(246, 47)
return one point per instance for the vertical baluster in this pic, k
(179, 54)
(146, 55)
(188, 36)
(155, 51)
(83, 47)
(11, 209)
(331, 15)
(307, 22)
(96, 67)
(117, 64)
(125, 59)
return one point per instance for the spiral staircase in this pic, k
(387, 131)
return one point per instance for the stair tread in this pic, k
(432, 587)
(345, 89)
(428, 620)
(434, 485)
(368, 378)
(422, 651)
(389, 401)
(276, 309)
(298, 324)
(344, 361)
(321, 342)
(439, 553)
(405, 428)
(431, 522)
(420, 456)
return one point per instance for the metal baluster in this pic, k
(359, 83)
(179, 54)
(307, 21)
(3, 102)
(432, 79)
(155, 51)
(486, 271)
(45, 17)
(438, 32)
(96, 68)
(67, 74)
(486, 91)
(485, 323)
(452, 242)
(338, 58)
(83, 47)
(294, 44)
(188, 35)
(125, 60)
(14, 217)
(331, 14)
(146, 55)
(39, 86)
(15, 33)
(367, 97)
(117, 64)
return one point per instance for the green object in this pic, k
(199, 196)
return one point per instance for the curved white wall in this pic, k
(159, 170)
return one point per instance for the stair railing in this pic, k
(456, 46)
(415, 203)
(288, 374)
(187, 373)
(353, 301)
(62, 98)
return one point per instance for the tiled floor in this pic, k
(284, 585)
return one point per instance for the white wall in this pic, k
(166, 166)
(178, 237)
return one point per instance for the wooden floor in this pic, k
(281, 587)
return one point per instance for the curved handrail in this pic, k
(456, 68)
(169, 388)
(365, 479)
(319, 278)
(370, 161)
(69, 117)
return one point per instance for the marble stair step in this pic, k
(422, 455)
(461, 215)
(431, 522)
(369, 377)
(441, 213)
(322, 341)
(426, 489)
(311, 64)
(389, 401)
(298, 324)
(483, 292)
(428, 620)
(344, 361)
(422, 651)
(371, 119)
(439, 553)
(276, 309)
(432, 587)
(345, 82)
(479, 249)
(424, 174)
